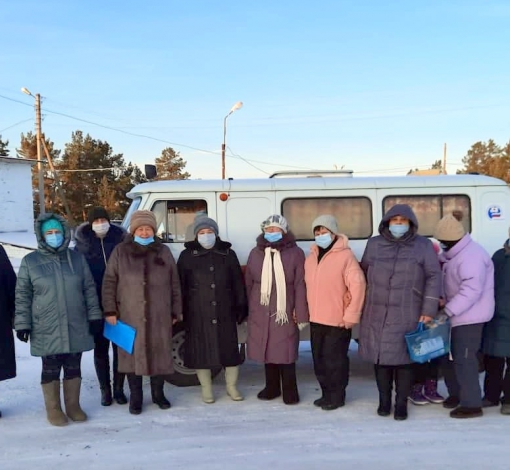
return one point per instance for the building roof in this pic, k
(17, 160)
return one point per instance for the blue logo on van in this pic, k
(494, 212)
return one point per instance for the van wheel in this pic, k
(182, 376)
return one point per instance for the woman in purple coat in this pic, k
(468, 281)
(277, 307)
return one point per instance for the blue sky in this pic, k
(377, 86)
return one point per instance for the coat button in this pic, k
(213, 303)
(211, 268)
(213, 286)
(214, 322)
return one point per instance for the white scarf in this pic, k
(267, 284)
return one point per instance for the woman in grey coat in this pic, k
(403, 288)
(57, 308)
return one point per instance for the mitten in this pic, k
(23, 335)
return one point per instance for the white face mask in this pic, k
(207, 240)
(101, 229)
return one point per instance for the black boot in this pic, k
(158, 397)
(135, 393)
(384, 380)
(102, 366)
(289, 384)
(118, 388)
(272, 389)
(403, 385)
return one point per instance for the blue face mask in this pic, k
(207, 240)
(54, 240)
(399, 230)
(143, 241)
(324, 240)
(273, 237)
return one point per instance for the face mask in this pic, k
(445, 246)
(54, 240)
(207, 240)
(324, 240)
(143, 241)
(399, 230)
(273, 237)
(101, 229)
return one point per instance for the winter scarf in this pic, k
(273, 259)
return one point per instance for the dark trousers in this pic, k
(461, 374)
(385, 376)
(424, 372)
(330, 347)
(102, 362)
(52, 365)
(497, 381)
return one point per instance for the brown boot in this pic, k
(54, 413)
(72, 400)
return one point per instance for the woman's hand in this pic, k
(425, 319)
(111, 319)
(442, 302)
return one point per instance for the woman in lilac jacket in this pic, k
(468, 281)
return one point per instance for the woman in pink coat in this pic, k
(335, 287)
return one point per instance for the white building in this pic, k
(16, 206)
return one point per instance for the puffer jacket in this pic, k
(56, 297)
(335, 286)
(468, 277)
(403, 283)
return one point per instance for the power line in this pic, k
(248, 162)
(17, 124)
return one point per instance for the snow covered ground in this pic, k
(241, 435)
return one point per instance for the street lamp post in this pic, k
(37, 97)
(234, 108)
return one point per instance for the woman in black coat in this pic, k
(7, 290)
(214, 303)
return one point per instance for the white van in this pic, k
(358, 203)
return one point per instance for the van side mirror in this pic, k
(151, 172)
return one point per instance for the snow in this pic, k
(241, 435)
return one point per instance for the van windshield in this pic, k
(132, 208)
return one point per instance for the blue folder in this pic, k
(122, 334)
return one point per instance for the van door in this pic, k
(492, 217)
(241, 215)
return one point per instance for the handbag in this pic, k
(429, 341)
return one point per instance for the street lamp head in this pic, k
(237, 106)
(26, 91)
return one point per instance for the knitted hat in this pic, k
(51, 224)
(449, 229)
(327, 221)
(275, 220)
(140, 218)
(204, 222)
(98, 213)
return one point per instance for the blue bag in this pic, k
(122, 334)
(429, 341)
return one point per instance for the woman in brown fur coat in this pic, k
(141, 288)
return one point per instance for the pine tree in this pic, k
(4, 150)
(170, 166)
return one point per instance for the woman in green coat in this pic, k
(58, 310)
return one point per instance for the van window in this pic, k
(429, 209)
(175, 218)
(353, 214)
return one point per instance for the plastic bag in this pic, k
(429, 341)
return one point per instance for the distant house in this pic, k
(16, 206)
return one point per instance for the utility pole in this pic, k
(444, 159)
(40, 168)
(42, 205)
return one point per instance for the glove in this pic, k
(23, 335)
(96, 327)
